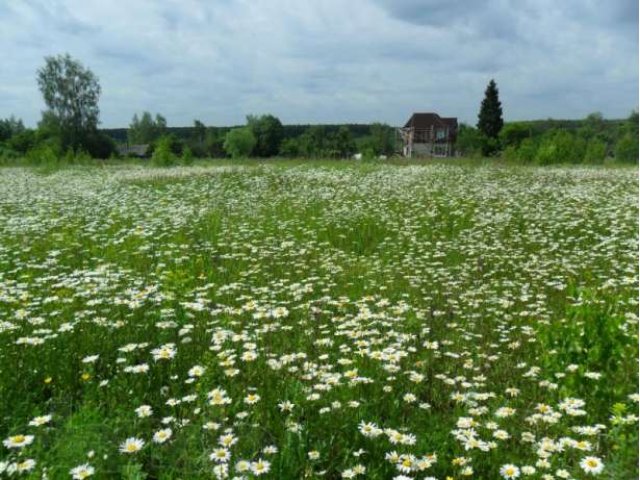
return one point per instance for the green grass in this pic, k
(414, 296)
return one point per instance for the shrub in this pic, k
(239, 142)
(187, 156)
(627, 149)
(44, 154)
(162, 154)
(595, 152)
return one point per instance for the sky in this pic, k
(327, 61)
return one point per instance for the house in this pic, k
(139, 151)
(430, 135)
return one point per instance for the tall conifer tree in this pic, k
(490, 117)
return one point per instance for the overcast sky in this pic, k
(327, 61)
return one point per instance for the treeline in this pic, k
(68, 131)
(592, 140)
(262, 136)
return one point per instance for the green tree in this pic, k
(10, 127)
(512, 134)
(71, 93)
(490, 118)
(163, 155)
(145, 129)
(239, 142)
(289, 148)
(343, 143)
(627, 145)
(469, 140)
(560, 146)
(595, 152)
(383, 139)
(268, 132)
(214, 142)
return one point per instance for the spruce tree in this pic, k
(490, 116)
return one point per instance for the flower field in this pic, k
(329, 321)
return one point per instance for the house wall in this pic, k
(422, 149)
(428, 150)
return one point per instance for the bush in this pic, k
(627, 149)
(44, 154)
(560, 146)
(239, 142)
(595, 152)
(527, 150)
(99, 145)
(163, 156)
(187, 156)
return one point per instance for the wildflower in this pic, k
(39, 421)
(131, 445)
(286, 406)
(509, 471)
(313, 455)
(165, 352)
(218, 396)
(252, 399)
(18, 441)
(220, 455)
(24, 466)
(144, 411)
(82, 471)
(592, 465)
(260, 467)
(196, 371)
(369, 429)
(162, 436)
(227, 440)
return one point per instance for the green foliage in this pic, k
(415, 298)
(289, 148)
(163, 155)
(627, 146)
(197, 140)
(214, 142)
(10, 127)
(382, 139)
(490, 117)
(627, 149)
(560, 147)
(512, 134)
(22, 142)
(71, 93)
(187, 156)
(489, 146)
(527, 150)
(343, 145)
(595, 152)
(145, 130)
(239, 142)
(268, 132)
(469, 141)
(45, 154)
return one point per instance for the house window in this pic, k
(440, 134)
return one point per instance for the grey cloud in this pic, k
(329, 61)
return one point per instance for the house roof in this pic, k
(427, 120)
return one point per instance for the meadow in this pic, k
(326, 320)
